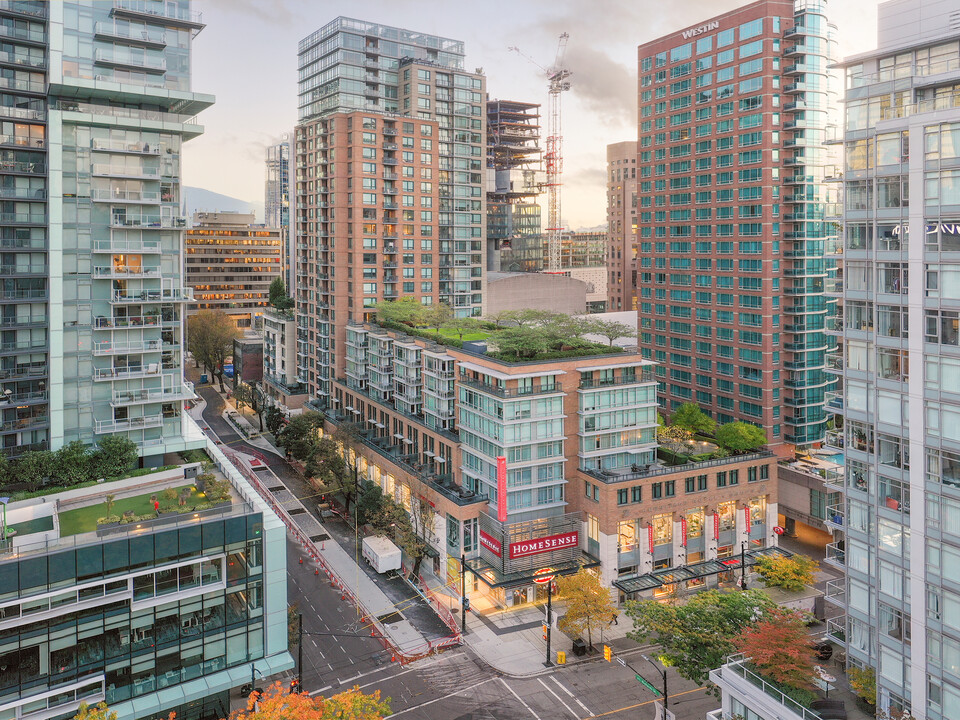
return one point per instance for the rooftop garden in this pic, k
(511, 336)
(693, 436)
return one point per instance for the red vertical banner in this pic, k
(716, 526)
(746, 516)
(683, 531)
(502, 488)
(650, 537)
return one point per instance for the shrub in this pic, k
(108, 519)
(863, 681)
(790, 573)
(739, 437)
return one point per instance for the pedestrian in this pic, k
(156, 507)
(615, 619)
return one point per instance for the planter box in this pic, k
(169, 518)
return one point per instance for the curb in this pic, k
(555, 666)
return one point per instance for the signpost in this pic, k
(540, 577)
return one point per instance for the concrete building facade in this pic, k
(276, 201)
(281, 380)
(230, 262)
(731, 225)
(621, 256)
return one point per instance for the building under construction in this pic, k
(514, 240)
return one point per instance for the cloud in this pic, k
(274, 11)
(588, 177)
(602, 84)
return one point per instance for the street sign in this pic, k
(622, 661)
(778, 530)
(542, 577)
(643, 681)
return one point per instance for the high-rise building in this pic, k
(164, 613)
(622, 226)
(514, 240)
(731, 227)
(898, 533)
(390, 194)
(93, 291)
(276, 200)
(230, 263)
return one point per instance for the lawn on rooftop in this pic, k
(467, 336)
(81, 520)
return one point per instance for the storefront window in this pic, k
(627, 535)
(728, 515)
(663, 529)
(453, 535)
(694, 523)
(758, 511)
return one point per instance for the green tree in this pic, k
(613, 331)
(863, 681)
(528, 317)
(521, 342)
(790, 573)
(251, 395)
(32, 468)
(293, 626)
(100, 711)
(370, 504)
(738, 437)
(278, 295)
(437, 316)
(690, 417)
(698, 635)
(416, 529)
(71, 464)
(500, 319)
(589, 605)
(113, 456)
(274, 420)
(210, 336)
(403, 311)
(327, 466)
(462, 325)
(299, 436)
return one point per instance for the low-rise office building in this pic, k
(549, 463)
(281, 379)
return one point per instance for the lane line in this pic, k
(567, 691)
(386, 679)
(646, 702)
(522, 702)
(365, 674)
(558, 698)
(431, 702)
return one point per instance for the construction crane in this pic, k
(553, 159)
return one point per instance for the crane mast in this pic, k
(553, 159)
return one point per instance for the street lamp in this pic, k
(4, 501)
(743, 565)
(463, 593)
(663, 674)
(540, 577)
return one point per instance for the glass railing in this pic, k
(737, 664)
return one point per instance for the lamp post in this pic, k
(663, 674)
(4, 501)
(540, 577)
(463, 593)
(743, 565)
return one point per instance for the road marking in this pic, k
(646, 702)
(547, 687)
(522, 702)
(364, 674)
(449, 695)
(575, 698)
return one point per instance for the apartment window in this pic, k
(721, 479)
(622, 496)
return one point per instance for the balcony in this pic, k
(122, 272)
(147, 222)
(127, 373)
(116, 195)
(138, 423)
(24, 322)
(24, 372)
(22, 424)
(20, 33)
(123, 398)
(23, 270)
(121, 171)
(834, 517)
(116, 146)
(836, 592)
(837, 630)
(153, 296)
(836, 555)
(761, 695)
(134, 322)
(127, 245)
(168, 14)
(28, 9)
(833, 401)
(150, 38)
(834, 440)
(33, 295)
(106, 347)
(24, 86)
(22, 346)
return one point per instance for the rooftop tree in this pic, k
(690, 417)
(738, 437)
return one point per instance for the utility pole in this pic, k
(663, 673)
(743, 565)
(463, 593)
(300, 652)
(548, 663)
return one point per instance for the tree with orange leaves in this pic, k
(278, 703)
(779, 647)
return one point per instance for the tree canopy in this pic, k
(790, 573)
(778, 645)
(690, 417)
(278, 703)
(210, 336)
(278, 295)
(698, 635)
(589, 605)
(738, 437)
(299, 436)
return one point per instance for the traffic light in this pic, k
(544, 631)
(608, 653)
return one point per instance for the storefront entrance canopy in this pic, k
(669, 576)
(493, 578)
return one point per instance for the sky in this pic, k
(247, 57)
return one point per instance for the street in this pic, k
(338, 652)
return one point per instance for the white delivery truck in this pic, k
(382, 554)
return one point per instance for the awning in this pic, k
(440, 459)
(398, 436)
(668, 576)
(428, 453)
(493, 578)
(407, 441)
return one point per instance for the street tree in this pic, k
(370, 504)
(589, 605)
(790, 573)
(414, 535)
(278, 295)
(210, 336)
(613, 331)
(278, 703)
(113, 456)
(697, 635)
(328, 465)
(299, 436)
(738, 437)
(253, 396)
(690, 417)
(779, 646)
(274, 420)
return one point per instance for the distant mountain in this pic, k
(200, 200)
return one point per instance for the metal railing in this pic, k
(737, 664)
(136, 423)
(611, 476)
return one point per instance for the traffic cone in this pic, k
(301, 561)
(317, 571)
